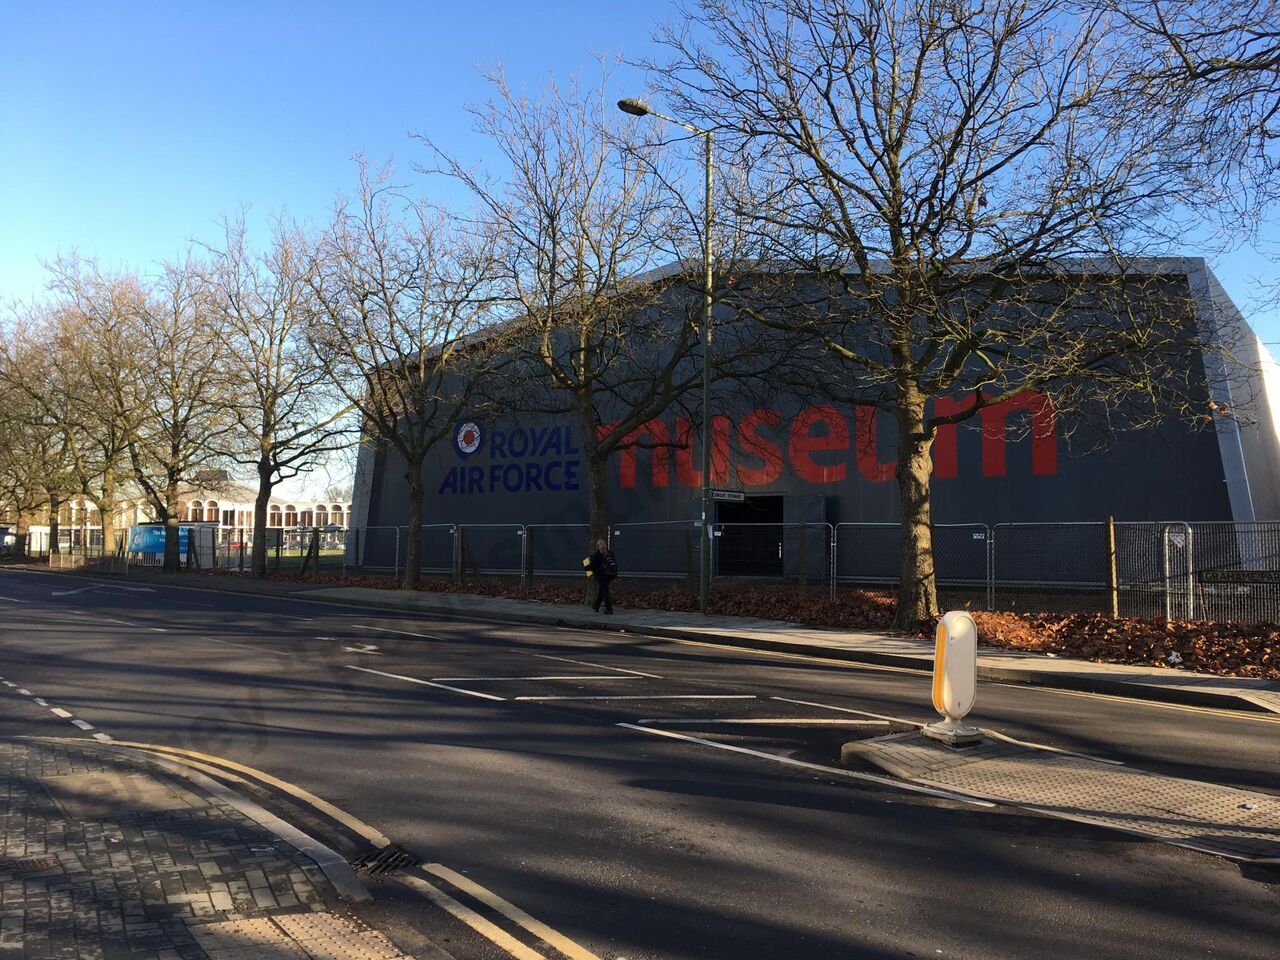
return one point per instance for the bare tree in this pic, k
(400, 295)
(952, 196)
(288, 417)
(183, 398)
(586, 217)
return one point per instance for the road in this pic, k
(496, 749)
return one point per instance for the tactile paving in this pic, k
(1240, 824)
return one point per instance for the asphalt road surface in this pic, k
(497, 750)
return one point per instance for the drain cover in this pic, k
(382, 862)
(29, 867)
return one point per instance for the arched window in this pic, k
(336, 514)
(290, 515)
(274, 517)
(322, 516)
(211, 511)
(306, 518)
(197, 511)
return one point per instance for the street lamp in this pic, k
(638, 108)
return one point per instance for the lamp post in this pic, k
(638, 108)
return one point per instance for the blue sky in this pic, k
(128, 128)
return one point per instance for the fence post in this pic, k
(1113, 586)
(460, 556)
(242, 553)
(804, 560)
(690, 574)
(831, 558)
(530, 547)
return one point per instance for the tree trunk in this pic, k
(413, 536)
(172, 555)
(597, 479)
(55, 507)
(917, 585)
(107, 513)
(261, 505)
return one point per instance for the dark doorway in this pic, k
(749, 541)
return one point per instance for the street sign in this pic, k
(730, 496)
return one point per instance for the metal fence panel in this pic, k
(491, 548)
(790, 553)
(556, 548)
(1236, 571)
(662, 550)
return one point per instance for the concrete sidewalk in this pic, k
(994, 663)
(109, 853)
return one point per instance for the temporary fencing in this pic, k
(1201, 570)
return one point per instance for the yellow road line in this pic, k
(512, 912)
(486, 928)
(376, 837)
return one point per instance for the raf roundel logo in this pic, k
(468, 438)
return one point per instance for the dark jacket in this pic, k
(597, 565)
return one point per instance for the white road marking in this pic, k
(105, 737)
(407, 633)
(656, 696)
(607, 676)
(829, 771)
(861, 713)
(13, 600)
(67, 593)
(598, 666)
(82, 724)
(9, 683)
(42, 701)
(359, 648)
(773, 722)
(159, 630)
(428, 683)
(121, 623)
(59, 712)
(24, 691)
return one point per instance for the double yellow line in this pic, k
(220, 766)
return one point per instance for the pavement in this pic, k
(1166, 685)
(111, 853)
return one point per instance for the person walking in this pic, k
(603, 567)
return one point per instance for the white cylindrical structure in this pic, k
(955, 677)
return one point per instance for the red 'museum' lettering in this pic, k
(761, 448)
(803, 443)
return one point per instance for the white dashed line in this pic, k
(42, 701)
(105, 737)
(657, 696)
(522, 679)
(598, 666)
(59, 712)
(428, 683)
(777, 721)
(406, 633)
(12, 600)
(24, 691)
(9, 683)
(82, 724)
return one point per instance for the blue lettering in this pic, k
(511, 476)
(533, 477)
(555, 442)
(450, 482)
(552, 484)
(495, 475)
(475, 479)
(523, 437)
(569, 449)
(571, 475)
(539, 439)
(497, 445)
